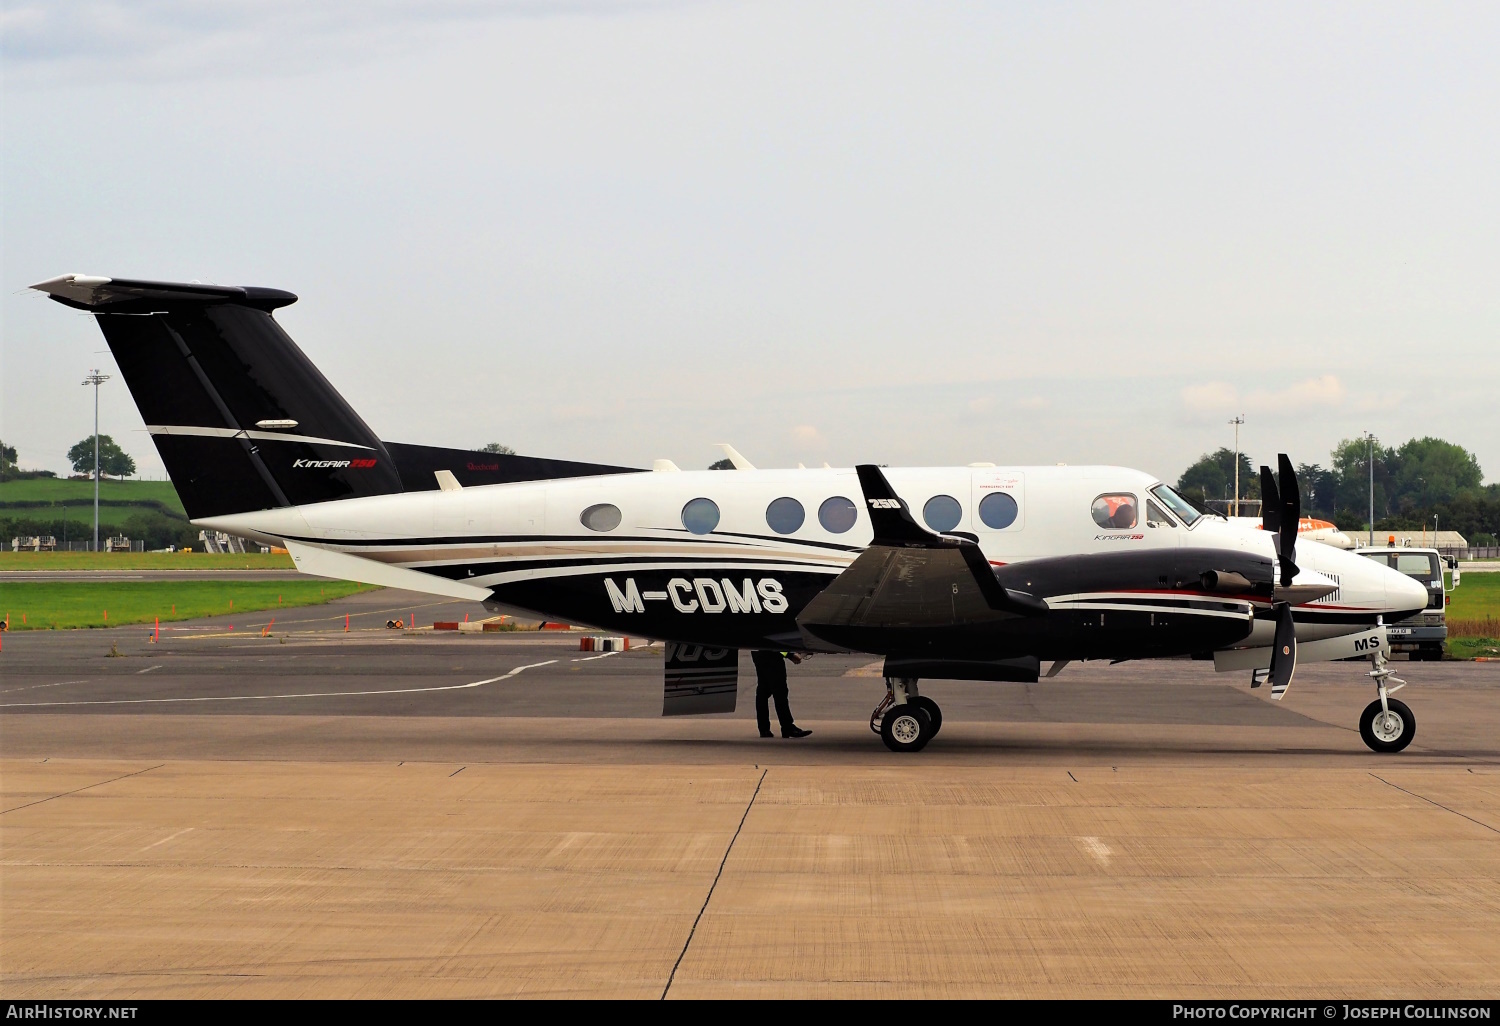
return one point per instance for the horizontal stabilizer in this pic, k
(341, 566)
(131, 295)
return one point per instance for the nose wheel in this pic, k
(1386, 726)
(905, 720)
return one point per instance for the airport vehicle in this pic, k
(1421, 634)
(1007, 567)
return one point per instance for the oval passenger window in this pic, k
(998, 510)
(603, 517)
(942, 513)
(1115, 509)
(700, 515)
(785, 515)
(837, 514)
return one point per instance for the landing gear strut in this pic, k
(1386, 725)
(905, 720)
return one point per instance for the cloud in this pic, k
(170, 39)
(1222, 398)
(1212, 397)
(806, 434)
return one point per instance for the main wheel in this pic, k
(934, 714)
(906, 728)
(1387, 732)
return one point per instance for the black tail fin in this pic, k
(241, 417)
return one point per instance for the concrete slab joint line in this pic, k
(267, 698)
(85, 787)
(1429, 801)
(709, 896)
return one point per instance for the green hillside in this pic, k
(59, 491)
(146, 510)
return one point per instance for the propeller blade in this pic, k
(1270, 502)
(1284, 651)
(1291, 519)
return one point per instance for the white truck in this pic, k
(1421, 635)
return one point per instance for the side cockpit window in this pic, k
(1115, 509)
(1183, 509)
(1156, 516)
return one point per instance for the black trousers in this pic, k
(770, 682)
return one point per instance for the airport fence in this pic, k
(1472, 552)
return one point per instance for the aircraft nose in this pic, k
(1402, 592)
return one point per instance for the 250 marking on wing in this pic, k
(701, 595)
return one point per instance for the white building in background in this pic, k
(1413, 539)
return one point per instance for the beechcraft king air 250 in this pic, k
(971, 573)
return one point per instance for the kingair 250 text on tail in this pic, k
(969, 573)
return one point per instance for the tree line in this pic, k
(113, 460)
(1414, 481)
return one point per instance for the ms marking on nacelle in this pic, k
(701, 595)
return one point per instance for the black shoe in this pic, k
(766, 733)
(795, 732)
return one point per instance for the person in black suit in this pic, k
(770, 683)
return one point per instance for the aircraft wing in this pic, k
(910, 577)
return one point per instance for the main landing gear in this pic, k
(905, 720)
(1386, 725)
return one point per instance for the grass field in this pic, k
(1477, 596)
(1474, 617)
(54, 605)
(143, 561)
(80, 493)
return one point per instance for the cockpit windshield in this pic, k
(1177, 504)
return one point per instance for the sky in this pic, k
(905, 233)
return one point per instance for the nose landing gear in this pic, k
(1386, 725)
(905, 720)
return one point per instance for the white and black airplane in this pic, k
(972, 573)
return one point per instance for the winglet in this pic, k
(894, 527)
(892, 521)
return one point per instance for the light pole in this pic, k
(1237, 421)
(1370, 459)
(96, 379)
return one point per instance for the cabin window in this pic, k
(785, 515)
(837, 514)
(700, 515)
(603, 517)
(1115, 510)
(998, 510)
(942, 513)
